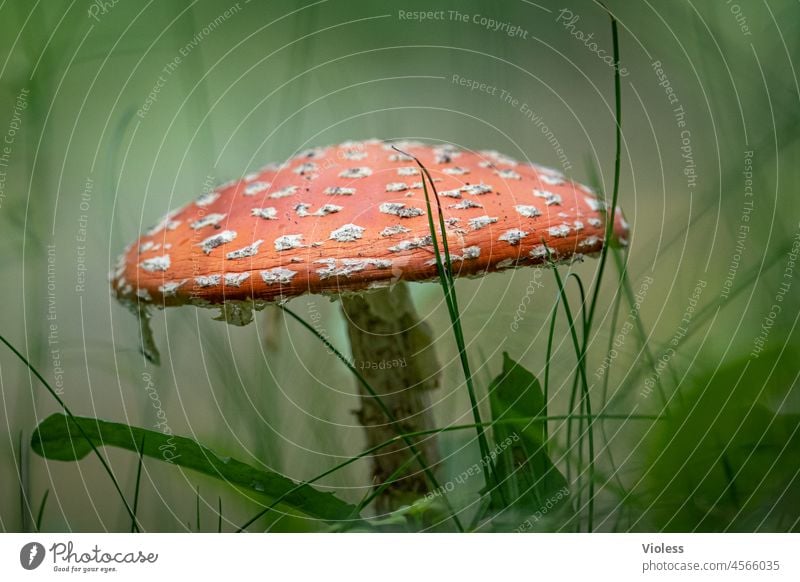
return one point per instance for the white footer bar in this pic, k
(399, 557)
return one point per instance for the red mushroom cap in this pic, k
(352, 217)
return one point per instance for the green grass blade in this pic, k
(25, 510)
(134, 521)
(611, 335)
(66, 409)
(197, 507)
(581, 356)
(611, 211)
(40, 514)
(385, 485)
(573, 397)
(448, 286)
(579, 350)
(604, 401)
(549, 355)
(628, 292)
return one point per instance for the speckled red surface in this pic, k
(352, 216)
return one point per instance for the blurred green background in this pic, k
(86, 169)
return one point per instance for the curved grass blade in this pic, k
(445, 270)
(197, 507)
(134, 521)
(40, 515)
(611, 214)
(66, 409)
(25, 511)
(549, 356)
(385, 485)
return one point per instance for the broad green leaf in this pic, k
(531, 483)
(57, 438)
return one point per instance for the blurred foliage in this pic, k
(726, 457)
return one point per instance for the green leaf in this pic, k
(532, 483)
(57, 438)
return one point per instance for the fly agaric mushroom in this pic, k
(350, 220)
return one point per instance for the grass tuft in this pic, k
(581, 356)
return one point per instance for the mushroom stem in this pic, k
(394, 352)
